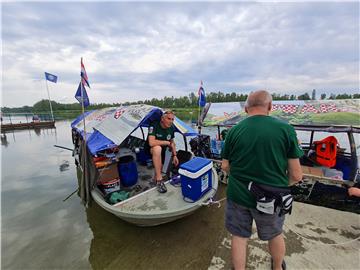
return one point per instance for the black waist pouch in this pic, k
(271, 199)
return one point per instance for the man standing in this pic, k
(263, 150)
(160, 137)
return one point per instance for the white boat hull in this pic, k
(151, 208)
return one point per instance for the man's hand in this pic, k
(225, 165)
(175, 161)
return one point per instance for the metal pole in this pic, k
(199, 126)
(85, 152)
(47, 88)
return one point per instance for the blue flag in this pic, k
(202, 98)
(82, 97)
(51, 77)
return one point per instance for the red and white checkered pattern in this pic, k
(308, 108)
(286, 108)
(324, 108)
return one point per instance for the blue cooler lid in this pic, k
(195, 164)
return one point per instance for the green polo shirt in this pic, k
(258, 149)
(160, 133)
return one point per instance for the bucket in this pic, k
(127, 171)
(110, 186)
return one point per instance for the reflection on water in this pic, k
(4, 140)
(39, 230)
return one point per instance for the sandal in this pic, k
(160, 186)
(283, 265)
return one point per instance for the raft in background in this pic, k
(31, 125)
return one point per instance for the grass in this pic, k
(337, 118)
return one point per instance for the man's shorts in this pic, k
(148, 152)
(238, 221)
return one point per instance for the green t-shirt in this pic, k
(258, 149)
(162, 134)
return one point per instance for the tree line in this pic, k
(190, 101)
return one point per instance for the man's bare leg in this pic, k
(277, 250)
(238, 252)
(156, 158)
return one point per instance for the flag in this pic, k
(84, 77)
(50, 77)
(84, 95)
(201, 94)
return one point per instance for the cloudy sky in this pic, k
(136, 51)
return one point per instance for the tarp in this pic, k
(339, 112)
(109, 127)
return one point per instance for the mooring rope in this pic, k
(211, 202)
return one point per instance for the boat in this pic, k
(113, 138)
(315, 122)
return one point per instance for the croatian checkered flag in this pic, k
(84, 77)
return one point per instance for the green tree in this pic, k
(304, 97)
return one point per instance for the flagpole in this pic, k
(199, 95)
(199, 126)
(47, 88)
(85, 152)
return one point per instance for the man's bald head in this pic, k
(259, 100)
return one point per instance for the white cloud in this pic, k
(134, 51)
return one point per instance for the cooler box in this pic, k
(196, 177)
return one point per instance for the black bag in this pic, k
(200, 146)
(269, 198)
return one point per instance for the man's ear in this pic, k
(246, 110)
(270, 106)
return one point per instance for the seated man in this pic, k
(160, 137)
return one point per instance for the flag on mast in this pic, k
(50, 77)
(84, 77)
(201, 94)
(82, 96)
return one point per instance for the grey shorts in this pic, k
(238, 221)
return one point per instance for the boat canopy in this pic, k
(318, 112)
(328, 128)
(109, 127)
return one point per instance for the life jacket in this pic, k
(326, 150)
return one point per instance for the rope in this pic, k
(211, 202)
(321, 243)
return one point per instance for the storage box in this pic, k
(312, 170)
(196, 177)
(108, 173)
